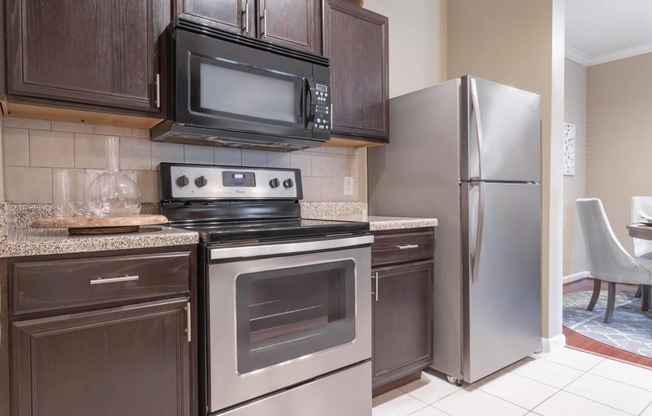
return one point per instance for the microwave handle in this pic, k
(310, 95)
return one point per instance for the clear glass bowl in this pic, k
(113, 193)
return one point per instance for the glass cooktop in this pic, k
(244, 230)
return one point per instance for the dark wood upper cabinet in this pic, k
(93, 52)
(292, 23)
(355, 40)
(237, 16)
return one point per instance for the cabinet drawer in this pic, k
(61, 284)
(401, 247)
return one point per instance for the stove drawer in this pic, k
(42, 286)
(401, 246)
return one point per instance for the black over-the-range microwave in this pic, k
(232, 90)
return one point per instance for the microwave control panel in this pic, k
(322, 107)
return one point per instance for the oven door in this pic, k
(285, 313)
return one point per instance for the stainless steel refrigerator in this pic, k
(468, 152)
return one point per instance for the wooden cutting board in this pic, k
(100, 225)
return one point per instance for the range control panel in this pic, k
(322, 107)
(181, 181)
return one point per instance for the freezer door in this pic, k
(502, 125)
(501, 275)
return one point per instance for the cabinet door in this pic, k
(237, 16)
(292, 23)
(355, 40)
(402, 320)
(97, 52)
(129, 361)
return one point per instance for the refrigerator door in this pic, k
(501, 275)
(503, 131)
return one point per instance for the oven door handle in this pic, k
(222, 253)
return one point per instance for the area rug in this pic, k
(629, 330)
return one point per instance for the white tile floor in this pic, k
(563, 383)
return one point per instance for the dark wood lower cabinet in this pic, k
(104, 333)
(402, 321)
(402, 283)
(129, 361)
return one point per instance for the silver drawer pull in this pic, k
(101, 280)
(407, 246)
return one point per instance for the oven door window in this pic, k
(225, 88)
(288, 313)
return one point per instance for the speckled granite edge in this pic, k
(389, 223)
(57, 241)
(332, 209)
(18, 239)
(3, 222)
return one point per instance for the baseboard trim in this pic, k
(576, 276)
(553, 344)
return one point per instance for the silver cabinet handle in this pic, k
(158, 90)
(407, 246)
(188, 321)
(102, 280)
(246, 17)
(374, 276)
(264, 17)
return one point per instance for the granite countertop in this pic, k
(17, 239)
(34, 242)
(377, 223)
(357, 211)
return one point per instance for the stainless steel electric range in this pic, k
(284, 303)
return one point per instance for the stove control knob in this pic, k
(274, 183)
(288, 183)
(201, 181)
(182, 181)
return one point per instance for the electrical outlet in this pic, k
(348, 185)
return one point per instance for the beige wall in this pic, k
(575, 186)
(417, 42)
(619, 131)
(32, 148)
(522, 44)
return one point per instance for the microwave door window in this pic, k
(255, 94)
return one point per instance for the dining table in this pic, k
(644, 231)
(640, 230)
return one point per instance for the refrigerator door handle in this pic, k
(475, 256)
(475, 105)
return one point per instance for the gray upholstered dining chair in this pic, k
(608, 260)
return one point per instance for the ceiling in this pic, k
(599, 31)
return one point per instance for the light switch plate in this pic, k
(348, 185)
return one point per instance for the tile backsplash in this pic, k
(32, 148)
